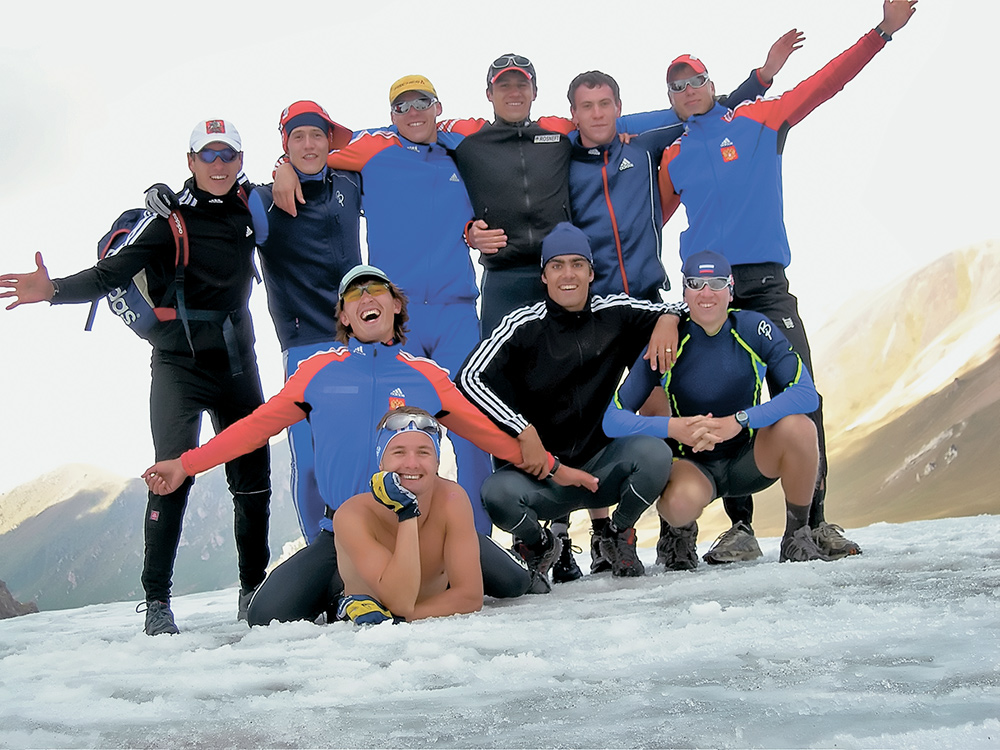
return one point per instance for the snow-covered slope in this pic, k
(899, 647)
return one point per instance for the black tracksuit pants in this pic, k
(182, 388)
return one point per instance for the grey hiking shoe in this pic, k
(598, 562)
(677, 548)
(738, 544)
(800, 547)
(565, 568)
(829, 537)
(619, 549)
(243, 607)
(159, 618)
(540, 558)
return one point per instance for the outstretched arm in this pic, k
(25, 288)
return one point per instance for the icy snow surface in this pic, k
(899, 647)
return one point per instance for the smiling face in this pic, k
(370, 319)
(417, 125)
(219, 177)
(308, 147)
(708, 308)
(567, 279)
(594, 114)
(412, 456)
(512, 94)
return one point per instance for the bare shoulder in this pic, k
(452, 501)
(355, 508)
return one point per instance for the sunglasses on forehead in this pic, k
(715, 283)
(507, 60)
(209, 155)
(695, 82)
(400, 421)
(374, 289)
(401, 108)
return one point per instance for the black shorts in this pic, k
(735, 476)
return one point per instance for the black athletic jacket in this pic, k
(558, 370)
(217, 277)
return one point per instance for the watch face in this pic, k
(742, 418)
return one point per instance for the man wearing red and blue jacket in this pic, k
(416, 207)
(726, 170)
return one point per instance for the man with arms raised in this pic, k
(408, 549)
(726, 170)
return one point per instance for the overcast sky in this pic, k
(99, 100)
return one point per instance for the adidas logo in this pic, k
(358, 350)
(413, 148)
(453, 178)
(398, 392)
(249, 231)
(594, 152)
(725, 143)
(626, 164)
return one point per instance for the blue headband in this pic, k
(386, 435)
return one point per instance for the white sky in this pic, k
(896, 648)
(99, 99)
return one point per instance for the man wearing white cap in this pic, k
(204, 363)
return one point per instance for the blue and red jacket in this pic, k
(343, 393)
(726, 168)
(615, 199)
(417, 208)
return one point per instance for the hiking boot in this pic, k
(677, 547)
(800, 547)
(539, 558)
(598, 562)
(244, 604)
(829, 537)
(565, 568)
(619, 549)
(738, 544)
(159, 618)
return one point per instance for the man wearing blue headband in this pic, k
(408, 549)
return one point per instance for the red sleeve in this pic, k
(669, 200)
(463, 127)
(791, 107)
(356, 154)
(460, 415)
(253, 431)
(557, 124)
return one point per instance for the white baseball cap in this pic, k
(211, 131)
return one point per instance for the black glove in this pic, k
(161, 200)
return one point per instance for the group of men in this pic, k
(566, 215)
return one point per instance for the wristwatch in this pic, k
(742, 418)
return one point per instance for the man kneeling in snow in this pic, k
(408, 549)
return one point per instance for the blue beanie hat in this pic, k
(566, 239)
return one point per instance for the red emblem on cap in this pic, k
(395, 402)
(215, 126)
